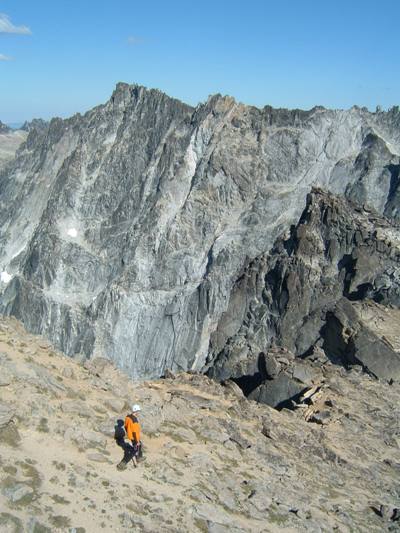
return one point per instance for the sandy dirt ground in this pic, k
(213, 461)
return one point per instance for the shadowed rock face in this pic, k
(124, 231)
(326, 286)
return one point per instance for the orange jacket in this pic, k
(132, 428)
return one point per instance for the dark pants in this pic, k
(129, 450)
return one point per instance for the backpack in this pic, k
(119, 432)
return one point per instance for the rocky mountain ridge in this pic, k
(37, 124)
(124, 231)
(312, 291)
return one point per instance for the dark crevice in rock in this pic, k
(209, 262)
(365, 290)
(394, 179)
(249, 383)
(334, 344)
(348, 263)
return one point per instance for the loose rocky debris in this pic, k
(214, 460)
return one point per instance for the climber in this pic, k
(132, 428)
(132, 449)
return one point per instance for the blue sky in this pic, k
(68, 55)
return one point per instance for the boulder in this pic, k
(304, 372)
(352, 340)
(272, 366)
(153, 415)
(9, 435)
(76, 407)
(278, 391)
(68, 372)
(97, 457)
(85, 439)
(107, 427)
(180, 434)
(320, 417)
(45, 380)
(116, 404)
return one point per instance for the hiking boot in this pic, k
(122, 465)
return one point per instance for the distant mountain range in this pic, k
(15, 125)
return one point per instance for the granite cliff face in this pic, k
(124, 232)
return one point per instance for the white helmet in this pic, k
(135, 408)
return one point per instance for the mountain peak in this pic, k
(37, 124)
(125, 93)
(4, 128)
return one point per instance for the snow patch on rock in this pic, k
(5, 277)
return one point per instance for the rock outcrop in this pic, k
(123, 231)
(319, 295)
